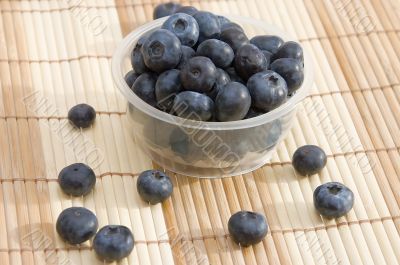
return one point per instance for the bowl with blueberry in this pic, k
(210, 95)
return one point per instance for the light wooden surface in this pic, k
(52, 58)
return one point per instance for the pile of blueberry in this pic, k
(201, 66)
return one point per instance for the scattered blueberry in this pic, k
(249, 60)
(208, 24)
(218, 51)
(187, 53)
(267, 42)
(166, 9)
(184, 26)
(137, 60)
(268, 90)
(130, 77)
(190, 10)
(233, 102)
(82, 115)
(289, 49)
(167, 86)
(253, 112)
(76, 225)
(247, 228)
(77, 179)
(144, 88)
(193, 105)
(234, 37)
(154, 186)
(161, 51)
(222, 79)
(113, 242)
(230, 25)
(198, 74)
(291, 70)
(333, 199)
(234, 75)
(222, 21)
(309, 160)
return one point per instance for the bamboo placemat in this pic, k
(56, 53)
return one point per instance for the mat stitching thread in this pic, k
(215, 237)
(121, 174)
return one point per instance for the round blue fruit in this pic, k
(193, 105)
(268, 90)
(184, 26)
(161, 51)
(235, 37)
(249, 60)
(199, 74)
(82, 115)
(233, 102)
(267, 42)
(154, 186)
(144, 88)
(223, 21)
(309, 160)
(230, 25)
(137, 60)
(289, 49)
(113, 242)
(222, 79)
(220, 53)
(168, 85)
(233, 75)
(190, 10)
(333, 199)
(291, 70)
(76, 225)
(208, 24)
(165, 9)
(247, 228)
(77, 179)
(130, 77)
(187, 53)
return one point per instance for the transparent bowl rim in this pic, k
(126, 45)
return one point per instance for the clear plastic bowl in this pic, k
(206, 149)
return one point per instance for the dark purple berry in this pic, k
(168, 85)
(154, 186)
(193, 105)
(82, 115)
(144, 88)
(333, 199)
(199, 74)
(184, 26)
(233, 102)
(291, 70)
(218, 51)
(249, 60)
(267, 42)
(247, 228)
(165, 9)
(77, 179)
(309, 160)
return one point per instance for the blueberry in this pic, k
(309, 160)
(199, 74)
(233, 102)
(253, 112)
(222, 79)
(247, 228)
(144, 88)
(289, 49)
(267, 42)
(113, 242)
(167, 86)
(137, 60)
(333, 199)
(208, 24)
(161, 51)
(154, 186)
(130, 77)
(235, 37)
(249, 60)
(218, 51)
(230, 25)
(193, 105)
(291, 70)
(233, 75)
(166, 9)
(182, 145)
(267, 56)
(187, 53)
(268, 90)
(75, 225)
(82, 115)
(223, 21)
(190, 10)
(77, 179)
(184, 26)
